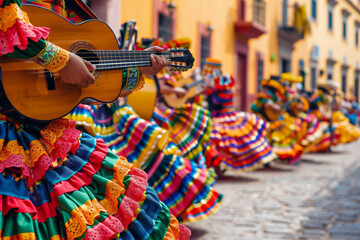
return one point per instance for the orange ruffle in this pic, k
(10, 14)
(81, 217)
(172, 232)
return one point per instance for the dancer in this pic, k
(271, 105)
(237, 139)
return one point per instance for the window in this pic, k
(344, 18)
(330, 17)
(259, 12)
(260, 71)
(313, 78)
(302, 73)
(356, 35)
(165, 27)
(205, 48)
(357, 78)
(329, 70)
(284, 12)
(285, 65)
(343, 79)
(313, 9)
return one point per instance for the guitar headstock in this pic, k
(180, 59)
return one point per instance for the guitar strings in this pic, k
(111, 61)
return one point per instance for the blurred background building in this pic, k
(317, 39)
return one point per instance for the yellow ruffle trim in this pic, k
(29, 156)
(10, 14)
(116, 187)
(81, 217)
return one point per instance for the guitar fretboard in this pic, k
(111, 59)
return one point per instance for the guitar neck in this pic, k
(194, 84)
(112, 59)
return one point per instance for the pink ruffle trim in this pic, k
(69, 141)
(184, 232)
(105, 230)
(18, 36)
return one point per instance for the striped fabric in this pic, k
(189, 127)
(238, 139)
(178, 181)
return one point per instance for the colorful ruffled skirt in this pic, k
(327, 140)
(59, 183)
(311, 130)
(343, 132)
(185, 188)
(189, 128)
(238, 142)
(347, 131)
(285, 138)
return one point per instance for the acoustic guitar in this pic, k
(38, 94)
(273, 114)
(143, 101)
(173, 100)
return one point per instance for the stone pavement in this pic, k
(317, 199)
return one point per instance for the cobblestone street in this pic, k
(319, 198)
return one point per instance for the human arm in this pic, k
(20, 39)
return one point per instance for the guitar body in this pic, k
(175, 101)
(143, 101)
(273, 114)
(25, 83)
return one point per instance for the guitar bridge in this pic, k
(50, 80)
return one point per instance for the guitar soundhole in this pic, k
(88, 56)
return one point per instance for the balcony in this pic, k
(292, 28)
(255, 26)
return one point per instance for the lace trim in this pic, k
(115, 187)
(184, 232)
(18, 36)
(28, 157)
(81, 217)
(107, 229)
(134, 196)
(58, 139)
(10, 14)
(52, 57)
(113, 192)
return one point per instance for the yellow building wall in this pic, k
(331, 40)
(221, 15)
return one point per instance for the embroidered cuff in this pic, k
(131, 77)
(52, 57)
(10, 14)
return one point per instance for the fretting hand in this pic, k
(158, 62)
